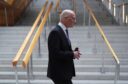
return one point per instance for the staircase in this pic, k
(101, 12)
(88, 67)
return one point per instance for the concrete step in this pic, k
(48, 81)
(79, 75)
(84, 56)
(88, 67)
(81, 61)
(79, 68)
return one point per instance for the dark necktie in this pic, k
(67, 33)
(68, 36)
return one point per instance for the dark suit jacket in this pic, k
(60, 65)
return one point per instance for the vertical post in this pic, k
(16, 74)
(6, 18)
(39, 47)
(94, 48)
(89, 20)
(28, 73)
(49, 18)
(115, 80)
(123, 17)
(120, 16)
(89, 23)
(127, 19)
(31, 62)
(84, 18)
(110, 4)
(114, 9)
(102, 60)
(45, 36)
(117, 73)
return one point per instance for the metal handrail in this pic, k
(35, 38)
(121, 18)
(24, 44)
(106, 41)
(102, 33)
(119, 4)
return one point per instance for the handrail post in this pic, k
(89, 24)
(114, 10)
(110, 4)
(126, 19)
(102, 62)
(49, 18)
(28, 73)
(84, 19)
(117, 69)
(123, 15)
(117, 75)
(89, 20)
(95, 37)
(45, 36)
(47, 24)
(102, 59)
(35, 37)
(39, 47)
(16, 74)
(31, 65)
(6, 18)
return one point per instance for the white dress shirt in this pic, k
(63, 27)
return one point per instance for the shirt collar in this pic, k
(62, 26)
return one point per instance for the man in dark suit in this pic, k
(60, 65)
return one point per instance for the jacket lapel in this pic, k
(63, 35)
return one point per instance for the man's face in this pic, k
(71, 20)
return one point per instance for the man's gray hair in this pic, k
(65, 13)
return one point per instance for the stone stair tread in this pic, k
(88, 67)
(74, 81)
(77, 73)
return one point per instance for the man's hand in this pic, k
(77, 54)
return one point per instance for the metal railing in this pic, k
(25, 42)
(119, 11)
(28, 55)
(35, 38)
(124, 11)
(117, 69)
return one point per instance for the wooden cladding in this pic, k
(10, 2)
(10, 15)
(6, 18)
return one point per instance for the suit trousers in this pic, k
(58, 81)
